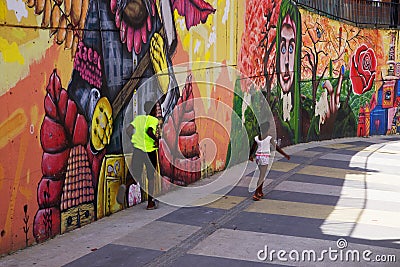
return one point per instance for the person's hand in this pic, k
(251, 158)
(287, 157)
(156, 143)
(327, 123)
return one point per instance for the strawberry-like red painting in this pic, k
(179, 147)
(66, 154)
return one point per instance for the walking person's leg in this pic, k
(258, 194)
(151, 163)
(136, 169)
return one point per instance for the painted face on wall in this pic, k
(287, 49)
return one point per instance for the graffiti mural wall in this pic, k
(73, 72)
(70, 70)
(323, 79)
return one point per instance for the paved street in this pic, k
(334, 203)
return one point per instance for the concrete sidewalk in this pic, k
(346, 188)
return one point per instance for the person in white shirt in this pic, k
(262, 142)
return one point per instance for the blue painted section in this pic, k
(396, 89)
(378, 124)
(379, 116)
(380, 95)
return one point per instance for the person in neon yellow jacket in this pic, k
(145, 144)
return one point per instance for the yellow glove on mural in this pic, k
(102, 122)
(159, 60)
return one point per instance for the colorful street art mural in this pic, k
(84, 61)
(73, 71)
(323, 79)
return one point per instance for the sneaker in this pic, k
(153, 205)
(121, 194)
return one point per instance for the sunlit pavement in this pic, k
(334, 203)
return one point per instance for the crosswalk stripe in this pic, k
(341, 191)
(339, 146)
(283, 166)
(328, 172)
(226, 202)
(362, 159)
(327, 212)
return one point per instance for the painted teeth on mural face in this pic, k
(286, 77)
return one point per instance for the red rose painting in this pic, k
(363, 69)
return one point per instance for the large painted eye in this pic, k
(283, 49)
(291, 48)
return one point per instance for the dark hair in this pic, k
(263, 127)
(149, 106)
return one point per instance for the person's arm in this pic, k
(252, 150)
(130, 130)
(279, 149)
(150, 132)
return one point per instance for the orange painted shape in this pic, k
(1, 176)
(12, 126)
(16, 185)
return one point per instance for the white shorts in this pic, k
(262, 159)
